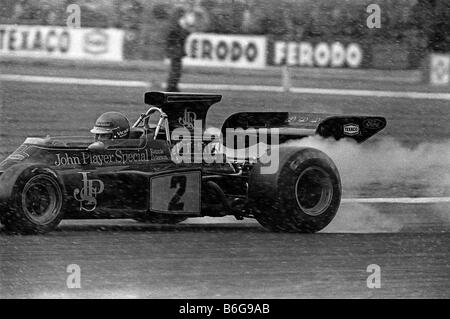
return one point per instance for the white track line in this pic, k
(231, 87)
(74, 81)
(320, 91)
(398, 200)
(228, 87)
(375, 93)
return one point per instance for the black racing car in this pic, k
(149, 177)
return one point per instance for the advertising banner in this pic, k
(61, 42)
(219, 50)
(440, 69)
(320, 54)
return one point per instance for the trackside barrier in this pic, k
(439, 69)
(220, 50)
(34, 41)
(212, 50)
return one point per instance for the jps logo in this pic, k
(87, 194)
(188, 119)
(351, 129)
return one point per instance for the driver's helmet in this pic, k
(111, 125)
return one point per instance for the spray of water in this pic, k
(359, 218)
(385, 168)
(387, 162)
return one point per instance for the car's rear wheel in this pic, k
(314, 190)
(302, 196)
(36, 203)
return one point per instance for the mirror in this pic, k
(97, 147)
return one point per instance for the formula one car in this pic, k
(172, 167)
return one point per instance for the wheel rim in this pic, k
(41, 199)
(314, 191)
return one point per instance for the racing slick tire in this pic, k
(155, 218)
(302, 195)
(36, 202)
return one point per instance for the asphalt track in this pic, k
(223, 258)
(130, 260)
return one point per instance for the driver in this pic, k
(111, 125)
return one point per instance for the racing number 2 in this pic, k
(178, 182)
(178, 192)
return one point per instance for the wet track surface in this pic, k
(223, 259)
(220, 258)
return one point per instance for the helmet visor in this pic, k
(101, 130)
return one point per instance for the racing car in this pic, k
(149, 177)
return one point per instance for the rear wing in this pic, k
(292, 125)
(359, 128)
(182, 108)
(166, 98)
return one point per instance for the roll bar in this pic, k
(161, 123)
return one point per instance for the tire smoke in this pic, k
(386, 168)
(360, 218)
(391, 168)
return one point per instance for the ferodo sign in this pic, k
(320, 54)
(61, 42)
(218, 50)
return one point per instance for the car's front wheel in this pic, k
(36, 202)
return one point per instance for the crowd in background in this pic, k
(423, 24)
